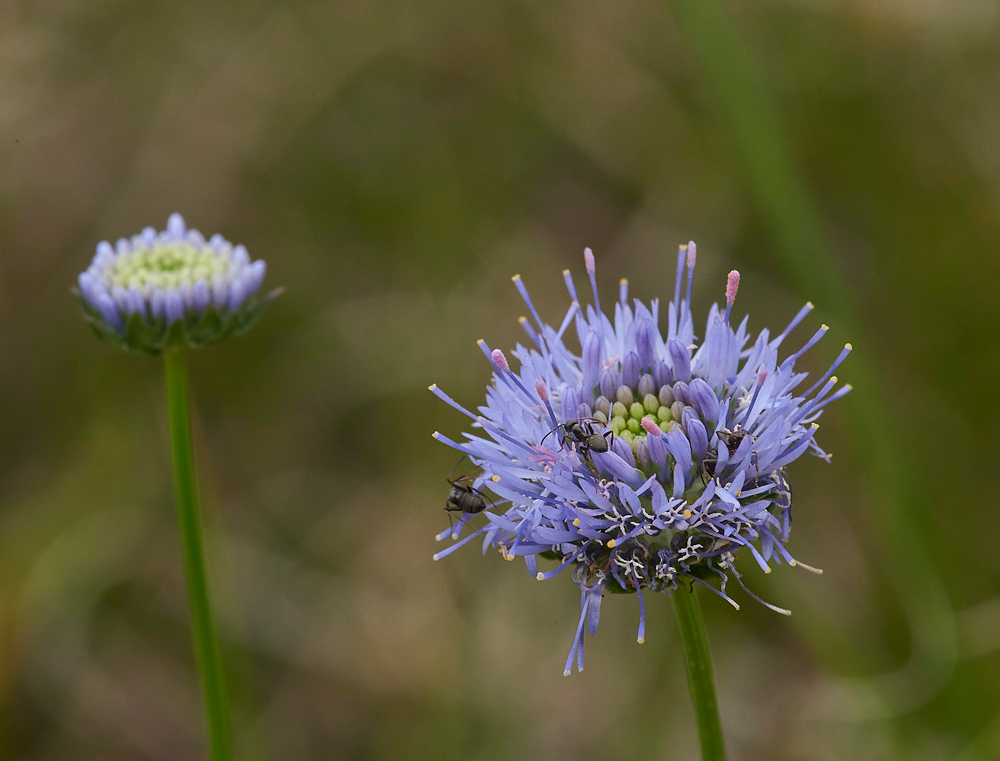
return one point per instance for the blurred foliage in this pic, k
(395, 164)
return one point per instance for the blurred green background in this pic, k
(395, 164)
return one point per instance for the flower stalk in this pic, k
(206, 642)
(701, 680)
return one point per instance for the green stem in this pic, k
(206, 642)
(897, 488)
(701, 682)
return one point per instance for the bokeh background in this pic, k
(395, 163)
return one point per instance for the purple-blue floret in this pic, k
(697, 438)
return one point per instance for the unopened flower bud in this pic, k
(642, 455)
(630, 370)
(603, 405)
(662, 375)
(646, 385)
(609, 383)
(666, 396)
(624, 395)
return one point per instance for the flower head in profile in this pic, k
(643, 461)
(171, 287)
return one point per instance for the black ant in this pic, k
(463, 498)
(708, 463)
(732, 440)
(582, 432)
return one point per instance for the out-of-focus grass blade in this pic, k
(787, 208)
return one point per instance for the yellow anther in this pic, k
(480, 342)
(495, 479)
(611, 544)
(515, 278)
(809, 304)
(432, 386)
(824, 326)
(540, 576)
(767, 569)
(640, 640)
(739, 492)
(576, 521)
(848, 347)
(565, 272)
(522, 319)
(687, 513)
(623, 281)
(833, 379)
(814, 426)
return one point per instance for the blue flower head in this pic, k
(172, 287)
(643, 462)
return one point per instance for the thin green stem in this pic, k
(206, 642)
(897, 488)
(701, 681)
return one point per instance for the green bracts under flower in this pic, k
(144, 336)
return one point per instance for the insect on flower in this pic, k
(463, 498)
(582, 432)
(674, 449)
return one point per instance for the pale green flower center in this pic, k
(167, 266)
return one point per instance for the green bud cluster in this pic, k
(624, 414)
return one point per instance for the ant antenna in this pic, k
(561, 425)
(456, 467)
